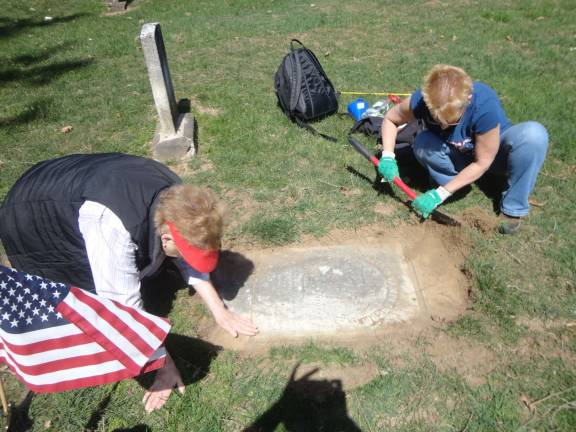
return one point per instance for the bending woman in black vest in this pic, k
(103, 222)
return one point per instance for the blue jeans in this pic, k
(521, 155)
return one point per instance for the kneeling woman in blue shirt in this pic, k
(467, 133)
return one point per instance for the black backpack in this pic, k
(304, 91)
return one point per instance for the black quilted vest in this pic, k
(39, 217)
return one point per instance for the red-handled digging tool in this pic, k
(436, 215)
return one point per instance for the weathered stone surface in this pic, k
(159, 75)
(174, 137)
(115, 5)
(176, 146)
(327, 290)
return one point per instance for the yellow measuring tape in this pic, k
(375, 93)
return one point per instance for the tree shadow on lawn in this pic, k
(42, 75)
(35, 76)
(307, 405)
(39, 56)
(10, 27)
(34, 111)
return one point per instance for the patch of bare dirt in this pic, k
(472, 361)
(349, 192)
(480, 219)
(240, 207)
(202, 109)
(403, 344)
(183, 169)
(550, 339)
(132, 6)
(384, 209)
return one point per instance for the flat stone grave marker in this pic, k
(326, 290)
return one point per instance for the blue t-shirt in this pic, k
(484, 113)
(190, 274)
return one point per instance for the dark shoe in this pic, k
(509, 224)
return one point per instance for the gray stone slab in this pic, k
(326, 290)
(174, 137)
(159, 75)
(178, 145)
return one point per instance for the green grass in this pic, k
(85, 69)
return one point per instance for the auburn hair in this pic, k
(446, 90)
(196, 213)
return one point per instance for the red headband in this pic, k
(203, 260)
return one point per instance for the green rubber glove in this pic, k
(426, 203)
(387, 167)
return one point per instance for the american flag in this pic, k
(57, 337)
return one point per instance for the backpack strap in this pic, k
(292, 44)
(306, 126)
(296, 81)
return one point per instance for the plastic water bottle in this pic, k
(379, 109)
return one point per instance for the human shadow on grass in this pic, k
(159, 292)
(411, 172)
(137, 428)
(192, 357)
(492, 185)
(382, 188)
(96, 416)
(232, 272)
(19, 419)
(307, 405)
(10, 27)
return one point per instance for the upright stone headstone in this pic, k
(174, 137)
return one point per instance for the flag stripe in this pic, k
(101, 374)
(41, 347)
(60, 380)
(39, 336)
(84, 359)
(157, 326)
(89, 347)
(109, 313)
(154, 364)
(114, 348)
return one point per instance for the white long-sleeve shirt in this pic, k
(112, 255)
